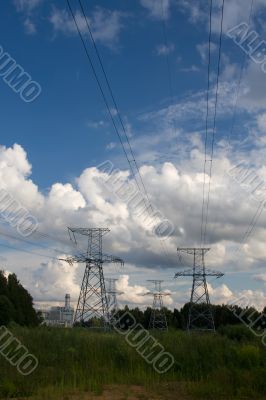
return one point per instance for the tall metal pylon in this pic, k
(158, 318)
(112, 301)
(112, 294)
(200, 316)
(92, 306)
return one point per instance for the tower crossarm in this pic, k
(83, 258)
(199, 272)
(157, 294)
(112, 259)
(114, 292)
(188, 272)
(193, 250)
(210, 272)
(85, 231)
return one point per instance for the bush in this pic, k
(8, 388)
(241, 333)
(248, 356)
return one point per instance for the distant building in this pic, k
(59, 316)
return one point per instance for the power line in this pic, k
(169, 73)
(113, 99)
(146, 199)
(253, 223)
(28, 251)
(118, 115)
(9, 236)
(99, 85)
(51, 237)
(260, 207)
(148, 206)
(206, 123)
(170, 81)
(116, 109)
(101, 89)
(29, 242)
(259, 210)
(214, 122)
(244, 59)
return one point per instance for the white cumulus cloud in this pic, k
(105, 24)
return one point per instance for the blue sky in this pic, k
(59, 129)
(66, 133)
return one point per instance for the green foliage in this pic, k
(7, 310)
(8, 388)
(3, 284)
(248, 356)
(16, 303)
(223, 315)
(239, 332)
(211, 366)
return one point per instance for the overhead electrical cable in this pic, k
(168, 64)
(114, 102)
(99, 86)
(134, 162)
(206, 123)
(29, 242)
(139, 181)
(253, 223)
(243, 63)
(28, 251)
(65, 242)
(258, 212)
(214, 124)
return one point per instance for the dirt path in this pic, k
(123, 392)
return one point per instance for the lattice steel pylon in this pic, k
(158, 318)
(112, 293)
(92, 307)
(200, 316)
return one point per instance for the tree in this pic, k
(22, 302)
(177, 320)
(3, 284)
(6, 310)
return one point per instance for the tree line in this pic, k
(223, 315)
(16, 304)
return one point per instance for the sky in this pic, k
(52, 149)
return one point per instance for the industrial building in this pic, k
(60, 316)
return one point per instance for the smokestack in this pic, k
(67, 301)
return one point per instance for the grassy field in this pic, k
(85, 363)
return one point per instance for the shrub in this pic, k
(241, 333)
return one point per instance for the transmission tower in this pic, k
(112, 301)
(92, 307)
(112, 294)
(200, 316)
(158, 318)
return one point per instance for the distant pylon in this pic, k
(112, 294)
(112, 301)
(158, 318)
(92, 306)
(200, 315)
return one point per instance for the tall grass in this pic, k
(210, 366)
